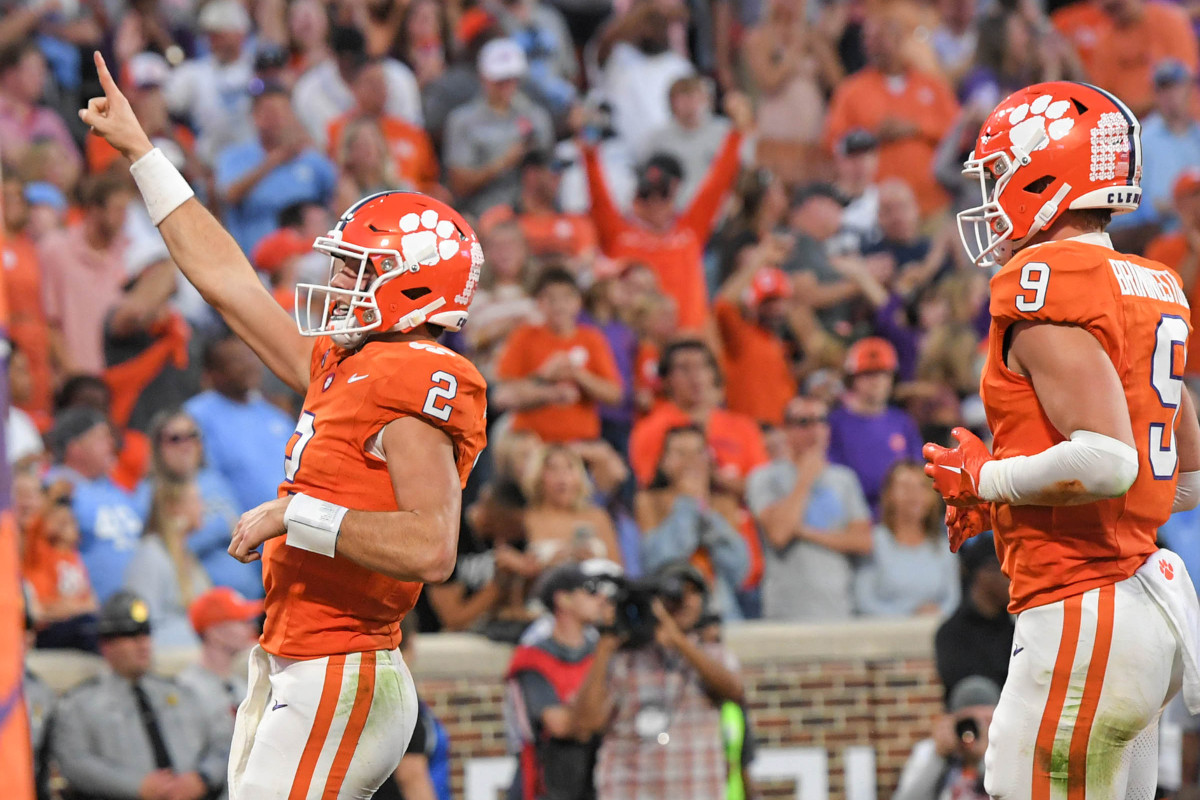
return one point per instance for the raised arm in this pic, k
(205, 252)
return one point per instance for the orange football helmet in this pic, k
(1047, 148)
(418, 261)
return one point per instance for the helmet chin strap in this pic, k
(414, 318)
(1046, 213)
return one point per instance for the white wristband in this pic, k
(161, 185)
(313, 524)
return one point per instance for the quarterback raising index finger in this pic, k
(373, 475)
(1096, 444)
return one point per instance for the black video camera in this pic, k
(634, 619)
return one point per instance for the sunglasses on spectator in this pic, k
(180, 438)
(802, 421)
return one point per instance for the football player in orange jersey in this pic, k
(372, 479)
(1096, 442)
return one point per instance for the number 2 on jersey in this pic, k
(1172, 332)
(445, 387)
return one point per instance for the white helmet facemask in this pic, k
(348, 315)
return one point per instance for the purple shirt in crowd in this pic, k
(623, 341)
(870, 445)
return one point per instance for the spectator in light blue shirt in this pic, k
(177, 454)
(911, 569)
(1170, 144)
(244, 435)
(258, 179)
(110, 526)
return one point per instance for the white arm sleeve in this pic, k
(1187, 492)
(1088, 467)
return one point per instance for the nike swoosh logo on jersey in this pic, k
(355, 377)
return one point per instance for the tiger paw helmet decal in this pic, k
(417, 261)
(1044, 150)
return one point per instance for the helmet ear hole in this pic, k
(416, 292)
(1040, 185)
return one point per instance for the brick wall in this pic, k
(832, 686)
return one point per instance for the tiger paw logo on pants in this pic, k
(1167, 570)
(427, 236)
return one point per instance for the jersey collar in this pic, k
(1091, 237)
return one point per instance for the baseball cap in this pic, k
(973, 690)
(145, 71)
(502, 59)
(72, 423)
(274, 249)
(658, 174)
(859, 140)
(41, 193)
(1186, 184)
(767, 284)
(564, 578)
(1169, 72)
(124, 614)
(224, 16)
(221, 604)
(872, 354)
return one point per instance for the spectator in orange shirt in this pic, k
(54, 570)
(23, 288)
(670, 244)
(692, 381)
(752, 313)
(548, 231)
(1181, 252)
(1084, 24)
(409, 146)
(556, 374)
(909, 111)
(1143, 33)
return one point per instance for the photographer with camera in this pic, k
(654, 693)
(557, 753)
(949, 765)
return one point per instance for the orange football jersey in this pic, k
(1137, 310)
(318, 606)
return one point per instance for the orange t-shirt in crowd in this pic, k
(570, 235)
(676, 255)
(527, 349)
(99, 154)
(53, 574)
(1169, 249)
(868, 97)
(1136, 309)
(318, 606)
(412, 152)
(27, 324)
(1127, 55)
(758, 373)
(1083, 24)
(645, 371)
(735, 440)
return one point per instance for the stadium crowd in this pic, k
(715, 340)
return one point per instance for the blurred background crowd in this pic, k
(724, 302)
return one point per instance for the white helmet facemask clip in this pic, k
(348, 315)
